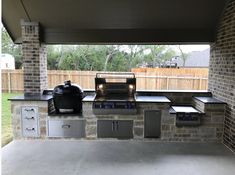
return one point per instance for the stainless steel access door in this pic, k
(152, 123)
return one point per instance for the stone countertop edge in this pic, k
(161, 91)
(209, 100)
(172, 111)
(31, 98)
(139, 99)
(152, 99)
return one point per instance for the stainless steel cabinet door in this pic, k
(122, 129)
(152, 123)
(105, 128)
(66, 128)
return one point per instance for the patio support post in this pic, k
(34, 59)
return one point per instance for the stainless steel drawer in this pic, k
(29, 111)
(29, 121)
(66, 128)
(30, 130)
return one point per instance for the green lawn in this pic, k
(6, 118)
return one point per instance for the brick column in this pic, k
(222, 70)
(34, 59)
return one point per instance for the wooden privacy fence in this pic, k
(147, 79)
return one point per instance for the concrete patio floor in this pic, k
(57, 157)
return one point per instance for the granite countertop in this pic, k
(183, 109)
(143, 99)
(209, 100)
(89, 98)
(152, 99)
(32, 98)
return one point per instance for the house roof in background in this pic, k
(196, 59)
(116, 21)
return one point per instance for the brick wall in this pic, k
(34, 59)
(222, 70)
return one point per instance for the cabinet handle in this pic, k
(66, 126)
(29, 118)
(117, 125)
(29, 110)
(30, 129)
(112, 125)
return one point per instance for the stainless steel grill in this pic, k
(115, 93)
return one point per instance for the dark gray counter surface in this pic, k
(89, 98)
(140, 99)
(183, 109)
(152, 99)
(32, 98)
(209, 100)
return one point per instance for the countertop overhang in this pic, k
(31, 98)
(209, 100)
(139, 99)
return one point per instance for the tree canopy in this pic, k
(97, 57)
(9, 47)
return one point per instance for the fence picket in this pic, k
(147, 79)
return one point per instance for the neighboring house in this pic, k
(196, 59)
(7, 61)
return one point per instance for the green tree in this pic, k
(158, 55)
(133, 55)
(52, 58)
(183, 55)
(9, 47)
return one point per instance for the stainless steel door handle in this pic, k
(113, 128)
(117, 125)
(30, 129)
(66, 126)
(28, 110)
(29, 118)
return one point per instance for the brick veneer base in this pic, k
(222, 70)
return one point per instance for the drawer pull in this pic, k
(30, 129)
(29, 118)
(28, 110)
(66, 126)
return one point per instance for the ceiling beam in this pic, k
(127, 36)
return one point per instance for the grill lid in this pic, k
(67, 89)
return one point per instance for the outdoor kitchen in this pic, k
(113, 126)
(115, 110)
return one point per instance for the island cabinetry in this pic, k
(29, 121)
(115, 129)
(66, 128)
(152, 123)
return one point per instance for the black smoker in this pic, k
(68, 98)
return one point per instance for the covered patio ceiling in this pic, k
(116, 21)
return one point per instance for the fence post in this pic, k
(200, 83)
(167, 83)
(9, 81)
